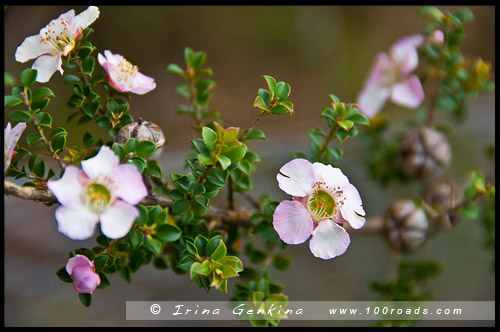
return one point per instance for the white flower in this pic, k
(11, 137)
(124, 76)
(55, 40)
(104, 191)
(322, 198)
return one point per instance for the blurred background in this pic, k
(318, 50)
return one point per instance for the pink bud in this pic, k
(82, 271)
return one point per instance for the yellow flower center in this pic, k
(96, 197)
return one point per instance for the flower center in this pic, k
(96, 197)
(124, 72)
(321, 204)
(58, 37)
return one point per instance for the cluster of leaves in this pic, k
(412, 276)
(197, 91)
(342, 120)
(274, 99)
(36, 102)
(208, 263)
(459, 77)
(261, 295)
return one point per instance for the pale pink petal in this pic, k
(372, 98)
(85, 280)
(85, 18)
(76, 222)
(329, 240)
(129, 183)
(46, 65)
(332, 176)
(68, 188)
(114, 59)
(352, 209)
(404, 52)
(297, 177)
(143, 84)
(438, 36)
(11, 137)
(78, 260)
(103, 163)
(31, 48)
(118, 219)
(292, 221)
(408, 93)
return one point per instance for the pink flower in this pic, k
(437, 36)
(11, 137)
(124, 76)
(82, 271)
(57, 39)
(391, 78)
(103, 191)
(322, 198)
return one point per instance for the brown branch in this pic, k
(46, 197)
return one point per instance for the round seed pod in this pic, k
(443, 196)
(142, 131)
(424, 153)
(405, 226)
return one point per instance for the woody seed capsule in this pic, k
(142, 131)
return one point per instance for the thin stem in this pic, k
(230, 193)
(252, 125)
(39, 130)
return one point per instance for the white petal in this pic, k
(46, 65)
(352, 210)
(408, 93)
(76, 222)
(85, 18)
(332, 176)
(103, 163)
(292, 221)
(329, 240)
(114, 59)
(404, 52)
(297, 177)
(68, 188)
(118, 219)
(143, 84)
(129, 184)
(31, 48)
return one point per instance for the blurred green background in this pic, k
(318, 50)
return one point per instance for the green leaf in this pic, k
(219, 252)
(154, 169)
(359, 119)
(138, 162)
(271, 83)
(28, 77)
(280, 109)
(204, 160)
(204, 268)
(282, 91)
(260, 103)
(88, 65)
(145, 149)
(256, 134)
(173, 68)
(179, 206)
(470, 211)
(345, 124)
(336, 152)
(72, 79)
(152, 245)
(224, 161)
(85, 299)
(63, 275)
(42, 93)
(10, 101)
(100, 263)
(136, 238)
(90, 108)
(105, 283)
(168, 233)
(192, 271)
(281, 262)
(236, 154)
(478, 182)
(39, 169)
(43, 119)
(209, 138)
(19, 116)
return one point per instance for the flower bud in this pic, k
(442, 195)
(424, 153)
(142, 131)
(405, 226)
(82, 271)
